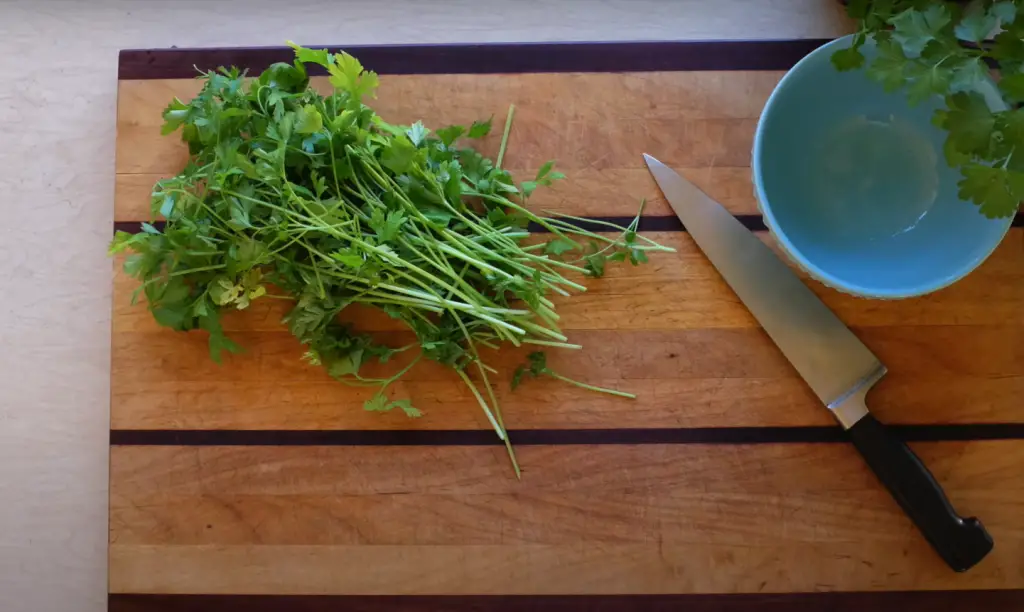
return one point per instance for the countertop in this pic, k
(57, 105)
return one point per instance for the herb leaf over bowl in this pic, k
(929, 48)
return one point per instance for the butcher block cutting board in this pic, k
(261, 484)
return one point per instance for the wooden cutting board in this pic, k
(263, 477)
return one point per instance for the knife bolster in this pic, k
(851, 408)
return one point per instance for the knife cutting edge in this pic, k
(829, 357)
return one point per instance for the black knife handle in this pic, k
(961, 542)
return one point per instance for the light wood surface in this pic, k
(604, 519)
(57, 114)
(667, 330)
(650, 518)
(731, 377)
(702, 120)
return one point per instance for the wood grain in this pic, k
(677, 318)
(900, 601)
(585, 519)
(642, 329)
(683, 290)
(693, 377)
(540, 569)
(689, 119)
(287, 520)
(57, 116)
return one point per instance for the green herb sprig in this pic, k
(537, 365)
(940, 48)
(315, 199)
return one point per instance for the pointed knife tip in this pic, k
(650, 159)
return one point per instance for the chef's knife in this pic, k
(834, 363)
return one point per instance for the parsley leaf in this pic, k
(595, 264)
(976, 23)
(847, 59)
(450, 134)
(417, 133)
(312, 56)
(174, 116)
(309, 121)
(347, 74)
(559, 246)
(926, 81)
(399, 155)
(377, 403)
(406, 407)
(1013, 86)
(349, 259)
(967, 75)
(1011, 124)
(479, 129)
(889, 67)
(969, 122)
(387, 228)
(218, 342)
(997, 192)
(914, 29)
(919, 46)
(1004, 12)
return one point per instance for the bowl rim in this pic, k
(794, 254)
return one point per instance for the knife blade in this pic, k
(828, 356)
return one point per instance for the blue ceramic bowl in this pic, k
(853, 184)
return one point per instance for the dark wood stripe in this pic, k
(652, 223)
(134, 227)
(483, 437)
(902, 601)
(648, 223)
(493, 58)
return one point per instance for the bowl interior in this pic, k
(854, 183)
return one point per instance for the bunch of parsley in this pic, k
(314, 199)
(946, 48)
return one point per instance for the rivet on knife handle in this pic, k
(829, 357)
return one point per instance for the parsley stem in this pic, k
(483, 404)
(199, 269)
(582, 385)
(1006, 162)
(564, 345)
(504, 136)
(544, 331)
(555, 278)
(400, 373)
(476, 262)
(156, 279)
(554, 262)
(532, 217)
(490, 394)
(375, 299)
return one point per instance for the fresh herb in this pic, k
(945, 48)
(313, 199)
(537, 365)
